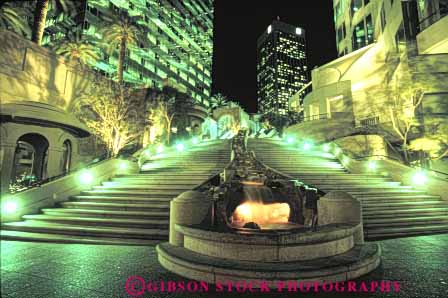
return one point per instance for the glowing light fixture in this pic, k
(345, 160)
(307, 146)
(160, 149)
(299, 31)
(123, 165)
(147, 153)
(290, 140)
(180, 147)
(372, 165)
(419, 178)
(86, 177)
(195, 141)
(10, 207)
(326, 147)
(269, 29)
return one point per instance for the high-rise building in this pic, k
(177, 43)
(281, 66)
(359, 23)
(392, 52)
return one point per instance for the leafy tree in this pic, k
(13, 18)
(40, 15)
(78, 50)
(121, 34)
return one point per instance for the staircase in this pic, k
(128, 209)
(389, 208)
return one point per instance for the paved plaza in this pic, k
(76, 270)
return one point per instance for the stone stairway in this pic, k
(389, 208)
(128, 209)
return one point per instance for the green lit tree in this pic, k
(218, 100)
(78, 50)
(121, 34)
(13, 18)
(40, 15)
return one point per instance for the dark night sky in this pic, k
(238, 23)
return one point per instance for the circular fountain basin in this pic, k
(270, 245)
(270, 257)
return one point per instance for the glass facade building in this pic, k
(281, 67)
(176, 43)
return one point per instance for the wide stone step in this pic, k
(368, 215)
(373, 205)
(100, 221)
(134, 193)
(306, 172)
(368, 202)
(148, 169)
(106, 213)
(155, 201)
(297, 167)
(340, 176)
(174, 175)
(407, 221)
(385, 192)
(392, 232)
(159, 179)
(355, 262)
(355, 183)
(150, 183)
(118, 206)
(396, 198)
(61, 238)
(114, 232)
(347, 180)
(132, 187)
(382, 187)
(303, 162)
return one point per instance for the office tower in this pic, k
(177, 43)
(281, 67)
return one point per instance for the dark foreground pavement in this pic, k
(419, 264)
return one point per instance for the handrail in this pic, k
(439, 13)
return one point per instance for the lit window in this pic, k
(269, 29)
(299, 31)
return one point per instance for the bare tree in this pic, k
(161, 113)
(403, 115)
(105, 111)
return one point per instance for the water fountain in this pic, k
(252, 223)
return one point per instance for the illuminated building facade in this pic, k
(177, 44)
(359, 23)
(281, 67)
(391, 52)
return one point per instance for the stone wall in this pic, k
(31, 72)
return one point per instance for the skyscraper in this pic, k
(177, 43)
(281, 67)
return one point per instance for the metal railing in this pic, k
(316, 117)
(432, 18)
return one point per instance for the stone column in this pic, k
(7, 164)
(341, 207)
(190, 207)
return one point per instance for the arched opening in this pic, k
(66, 156)
(30, 160)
